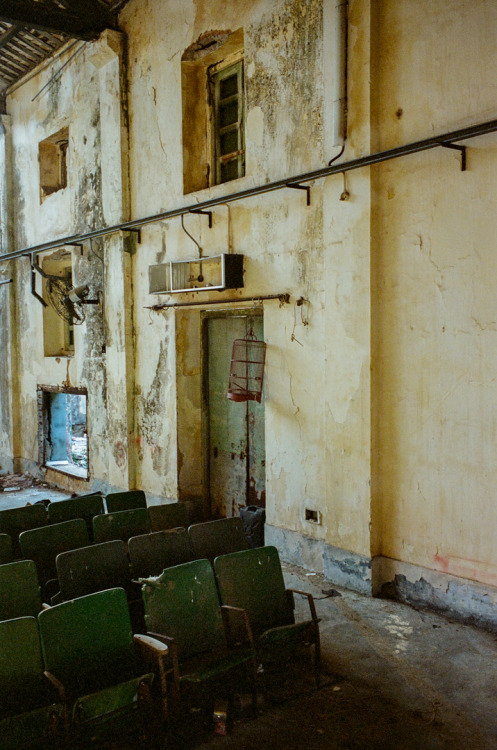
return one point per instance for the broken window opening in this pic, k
(65, 434)
(58, 332)
(52, 155)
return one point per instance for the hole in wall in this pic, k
(313, 516)
(64, 430)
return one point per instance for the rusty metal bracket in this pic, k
(138, 233)
(462, 149)
(35, 294)
(76, 244)
(205, 213)
(296, 186)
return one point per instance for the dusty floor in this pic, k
(22, 489)
(394, 679)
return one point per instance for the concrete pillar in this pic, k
(108, 58)
(9, 389)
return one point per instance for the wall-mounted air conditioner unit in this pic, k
(201, 274)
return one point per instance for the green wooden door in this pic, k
(236, 454)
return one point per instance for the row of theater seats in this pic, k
(13, 521)
(58, 562)
(59, 550)
(73, 670)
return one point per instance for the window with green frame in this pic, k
(226, 87)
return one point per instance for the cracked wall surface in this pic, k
(434, 319)
(317, 373)
(379, 389)
(87, 101)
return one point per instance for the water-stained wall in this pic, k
(434, 318)
(317, 374)
(87, 103)
(379, 387)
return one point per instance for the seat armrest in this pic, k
(164, 639)
(57, 599)
(173, 653)
(225, 610)
(154, 653)
(57, 684)
(148, 643)
(310, 600)
(51, 588)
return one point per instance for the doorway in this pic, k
(234, 444)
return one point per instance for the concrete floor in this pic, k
(20, 489)
(394, 679)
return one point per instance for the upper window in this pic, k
(226, 86)
(212, 84)
(52, 155)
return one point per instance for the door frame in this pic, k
(205, 315)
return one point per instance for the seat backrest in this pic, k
(6, 554)
(83, 506)
(13, 521)
(21, 666)
(151, 553)
(19, 590)
(121, 525)
(183, 603)
(88, 640)
(96, 568)
(168, 516)
(213, 538)
(44, 544)
(253, 579)
(127, 500)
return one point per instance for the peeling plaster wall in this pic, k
(88, 99)
(317, 385)
(433, 299)
(8, 359)
(379, 389)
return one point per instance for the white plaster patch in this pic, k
(250, 69)
(255, 126)
(344, 373)
(400, 628)
(344, 530)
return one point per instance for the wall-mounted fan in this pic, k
(59, 293)
(67, 301)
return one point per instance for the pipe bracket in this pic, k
(201, 211)
(462, 149)
(296, 186)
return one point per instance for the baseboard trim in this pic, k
(458, 598)
(341, 567)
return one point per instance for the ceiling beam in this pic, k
(47, 16)
(8, 35)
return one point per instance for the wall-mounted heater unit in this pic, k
(217, 272)
(247, 369)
